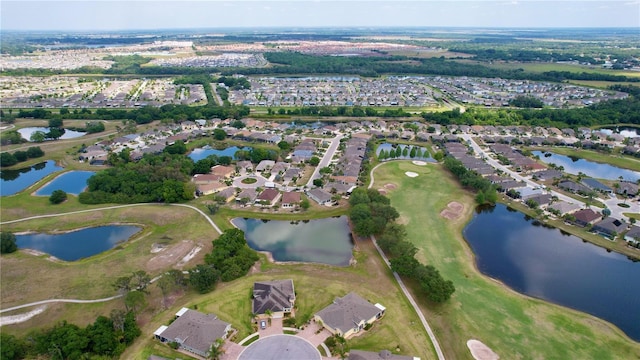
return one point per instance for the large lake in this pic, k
(544, 263)
(202, 153)
(14, 181)
(68, 134)
(72, 182)
(79, 244)
(326, 241)
(626, 131)
(589, 168)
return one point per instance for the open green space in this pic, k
(513, 325)
(543, 67)
(316, 287)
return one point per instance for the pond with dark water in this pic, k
(203, 153)
(14, 181)
(546, 263)
(68, 134)
(75, 245)
(626, 131)
(72, 182)
(326, 241)
(589, 168)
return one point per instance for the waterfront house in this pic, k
(609, 227)
(320, 196)
(277, 297)
(268, 197)
(586, 217)
(290, 199)
(633, 235)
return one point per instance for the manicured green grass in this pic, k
(513, 325)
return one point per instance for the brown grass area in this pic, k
(452, 211)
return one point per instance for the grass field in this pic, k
(316, 287)
(513, 325)
(543, 67)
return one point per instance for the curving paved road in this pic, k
(425, 324)
(79, 301)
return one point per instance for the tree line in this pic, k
(9, 159)
(106, 337)
(485, 191)
(371, 213)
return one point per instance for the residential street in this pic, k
(326, 159)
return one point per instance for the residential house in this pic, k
(194, 331)
(223, 171)
(207, 189)
(381, 355)
(633, 235)
(573, 187)
(540, 199)
(265, 165)
(564, 207)
(627, 188)
(348, 315)
(199, 179)
(277, 297)
(268, 197)
(586, 217)
(609, 227)
(290, 199)
(596, 185)
(320, 196)
(247, 196)
(227, 194)
(244, 166)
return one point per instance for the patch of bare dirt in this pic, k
(170, 255)
(480, 351)
(382, 191)
(452, 211)
(390, 186)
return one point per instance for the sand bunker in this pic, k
(480, 351)
(390, 186)
(452, 211)
(411, 174)
(419, 163)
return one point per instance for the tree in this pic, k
(34, 152)
(57, 196)
(284, 146)
(314, 161)
(7, 159)
(92, 127)
(7, 243)
(11, 348)
(55, 123)
(318, 182)
(213, 208)
(55, 133)
(140, 280)
(203, 278)
(38, 137)
(219, 134)
(304, 204)
(135, 301)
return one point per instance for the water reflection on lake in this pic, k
(14, 181)
(326, 241)
(589, 168)
(548, 264)
(79, 244)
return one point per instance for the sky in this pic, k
(162, 14)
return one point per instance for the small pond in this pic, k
(202, 153)
(589, 168)
(78, 244)
(68, 134)
(548, 264)
(14, 181)
(421, 153)
(326, 241)
(626, 131)
(72, 182)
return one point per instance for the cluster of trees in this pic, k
(526, 102)
(7, 243)
(234, 82)
(106, 337)
(255, 155)
(625, 111)
(57, 196)
(350, 111)
(155, 178)
(231, 258)
(370, 212)
(146, 114)
(203, 79)
(8, 159)
(204, 166)
(403, 151)
(485, 191)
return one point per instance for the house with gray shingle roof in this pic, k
(348, 315)
(194, 331)
(277, 296)
(609, 227)
(633, 235)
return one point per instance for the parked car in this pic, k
(263, 324)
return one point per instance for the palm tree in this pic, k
(216, 351)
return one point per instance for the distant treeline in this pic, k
(286, 63)
(523, 55)
(606, 112)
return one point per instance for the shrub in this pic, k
(57, 196)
